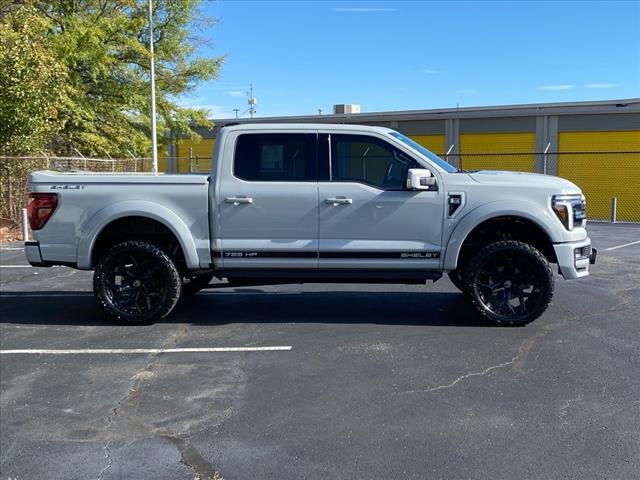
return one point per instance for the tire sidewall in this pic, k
(171, 278)
(543, 272)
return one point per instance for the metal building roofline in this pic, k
(631, 105)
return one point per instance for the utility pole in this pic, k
(154, 140)
(236, 110)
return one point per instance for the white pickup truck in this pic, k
(293, 203)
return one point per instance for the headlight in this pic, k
(570, 210)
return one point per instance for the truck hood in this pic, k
(526, 180)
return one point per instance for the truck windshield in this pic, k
(430, 155)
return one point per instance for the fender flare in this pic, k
(135, 208)
(533, 212)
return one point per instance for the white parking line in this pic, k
(89, 294)
(26, 266)
(101, 351)
(11, 249)
(45, 295)
(621, 246)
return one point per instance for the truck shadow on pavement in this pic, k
(256, 306)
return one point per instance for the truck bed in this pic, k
(51, 177)
(87, 202)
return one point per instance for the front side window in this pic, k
(276, 157)
(447, 167)
(368, 160)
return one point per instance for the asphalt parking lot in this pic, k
(379, 381)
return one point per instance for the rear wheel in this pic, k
(510, 283)
(136, 282)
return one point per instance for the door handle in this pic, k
(238, 200)
(335, 201)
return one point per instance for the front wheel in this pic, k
(510, 283)
(136, 283)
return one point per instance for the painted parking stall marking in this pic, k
(29, 266)
(621, 246)
(124, 351)
(44, 295)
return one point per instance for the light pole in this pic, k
(154, 140)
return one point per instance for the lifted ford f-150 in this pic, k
(288, 203)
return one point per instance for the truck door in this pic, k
(368, 219)
(268, 201)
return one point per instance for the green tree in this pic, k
(32, 84)
(103, 48)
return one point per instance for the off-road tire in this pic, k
(152, 283)
(196, 283)
(515, 264)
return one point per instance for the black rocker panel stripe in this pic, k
(382, 255)
(412, 255)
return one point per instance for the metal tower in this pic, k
(252, 101)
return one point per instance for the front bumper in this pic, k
(574, 258)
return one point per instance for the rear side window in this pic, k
(276, 157)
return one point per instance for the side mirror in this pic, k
(420, 179)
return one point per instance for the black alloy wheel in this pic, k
(136, 282)
(510, 283)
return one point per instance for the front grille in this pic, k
(579, 212)
(584, 252)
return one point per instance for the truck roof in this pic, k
(304, 126)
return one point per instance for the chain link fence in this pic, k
(14, 173)
(609, 180)
(192, 164)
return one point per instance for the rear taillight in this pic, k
(40, 208)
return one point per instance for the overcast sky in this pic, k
(302, 56)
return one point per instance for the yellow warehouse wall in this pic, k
(615, 141)
(163, 163)
(163, 159)
(602, 176)
(203, 150)
(435, 143)
(503, 143)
